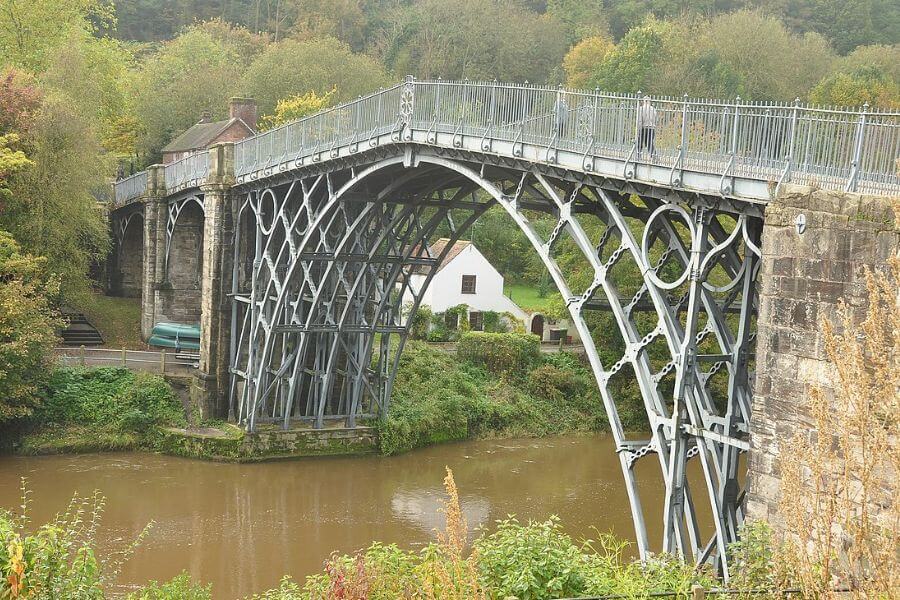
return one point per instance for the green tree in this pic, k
(293, 67)
(770, 62)
(630, 66)
(581, 18)
(845, 23)
(32, 30)
(26, 329)
(51, 209)
(196, 71)
(477, 39)
(582, 60)
(883, 57)
(345, 20)
(865, 85)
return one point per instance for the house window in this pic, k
(451, 320)
(476, 321)
(468, 284)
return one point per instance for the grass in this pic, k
(439, 397)
(117, 319)
(75, 439)
(527, 297)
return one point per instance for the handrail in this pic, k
(778, 142)
(190, 171)
(130, 188)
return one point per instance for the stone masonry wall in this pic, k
(131, 261)
(180, 295)
(804, 277)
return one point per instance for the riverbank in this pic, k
(438, 396)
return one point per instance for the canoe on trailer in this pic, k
(179, 336)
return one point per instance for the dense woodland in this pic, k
(89, 85)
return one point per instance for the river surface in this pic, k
(242, 527)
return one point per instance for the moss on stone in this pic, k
(74, 439)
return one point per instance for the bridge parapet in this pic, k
(772, 143)
(189, 172)
(130, 188)
(721, 142)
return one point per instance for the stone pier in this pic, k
(816, 247)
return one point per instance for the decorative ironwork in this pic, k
(334, 256)
(174, 209)
(331, 259)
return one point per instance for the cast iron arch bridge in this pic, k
(323, 220)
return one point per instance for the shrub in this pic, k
(110, 396)
(505, 354)
(27, 325)
(536, 560)
(421, 323)
(429, 402)
(180, 587)
(58, 559)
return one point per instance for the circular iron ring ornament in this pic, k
(260, 210)
(740, 229)
(645, 250)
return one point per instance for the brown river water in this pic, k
(241, 527)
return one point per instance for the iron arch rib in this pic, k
(331, 268)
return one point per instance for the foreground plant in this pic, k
(58, 560)
(833, 481)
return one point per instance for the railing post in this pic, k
(734, 129)
(857, 149)
(162, 361)
(81, 353)
(684, 138)
(698, 593)
(637, 121)
(792, 146)
(124, 357)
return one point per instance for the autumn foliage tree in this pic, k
(27, 329)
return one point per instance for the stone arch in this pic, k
(536, 325)
(179, 295)
(128, 275)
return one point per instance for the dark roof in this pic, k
(435, 250)
(201, 135)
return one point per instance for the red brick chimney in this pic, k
(244, 109)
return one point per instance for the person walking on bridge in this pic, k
(561, 114)
(647, 128)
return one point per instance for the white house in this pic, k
(463, 277)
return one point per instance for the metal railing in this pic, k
(137, 360)
(764, 141)
(130, 188)
(190, 171)
(362, 119)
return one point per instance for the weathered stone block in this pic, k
(845, 233)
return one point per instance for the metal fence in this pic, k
(854, 150)
(353, 122)
(130, 188)
(190, 171)
(137, 360)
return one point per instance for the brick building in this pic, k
(240, 124)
